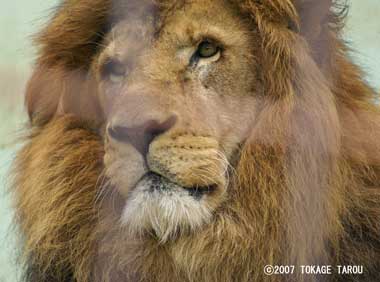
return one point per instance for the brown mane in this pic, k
(309, 184)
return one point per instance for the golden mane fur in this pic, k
(305, 192)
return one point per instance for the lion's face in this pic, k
(179, 98)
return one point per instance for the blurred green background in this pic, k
(20, 19)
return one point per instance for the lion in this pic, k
(176, 140)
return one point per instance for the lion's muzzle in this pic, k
(188, 160)
(167, 143)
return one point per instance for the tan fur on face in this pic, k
(189, 160)
(305, 184)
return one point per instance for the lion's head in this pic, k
(194, 140)
(179, 101)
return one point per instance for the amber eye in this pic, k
(113, 70)
(207, 49)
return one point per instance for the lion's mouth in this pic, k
(158, 183)
(159, 206)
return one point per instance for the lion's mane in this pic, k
(306, 189)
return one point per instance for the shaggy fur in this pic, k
(306, 188)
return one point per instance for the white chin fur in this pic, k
(166, 212)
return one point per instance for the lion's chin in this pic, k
(165, 209)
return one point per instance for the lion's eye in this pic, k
(114, 70)
(207, 49)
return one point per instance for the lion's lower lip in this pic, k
(157, 182)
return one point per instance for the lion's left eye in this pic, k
(207, 49)
(114, 71)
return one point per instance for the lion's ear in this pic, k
(42, 97)
(315, 21)
(56, 91)
(67, 46)
(314, 15)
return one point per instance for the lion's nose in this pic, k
(142, 135)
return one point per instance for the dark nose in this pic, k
(141, 136)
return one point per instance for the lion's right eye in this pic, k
(114, 71)
(207, 51)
